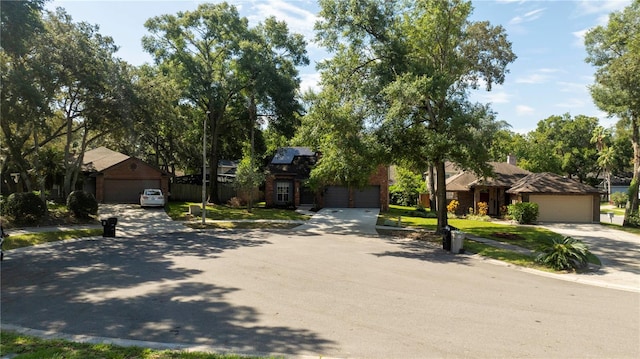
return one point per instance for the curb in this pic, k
(182, 347)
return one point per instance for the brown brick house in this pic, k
(114, 177)
(286, 184)
(469, 189)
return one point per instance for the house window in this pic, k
(283, 192)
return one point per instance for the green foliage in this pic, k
(407, 188)
(565, 254)
(82, 204)
(248, 174)
(632, 219)
(524, 212)
(25, 207)
(619, 199)
(562, 145)
(411, 64)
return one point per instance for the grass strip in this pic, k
(32, 239)
(180, 211)
(28, 347)
(241, 225)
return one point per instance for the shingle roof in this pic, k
(101, 158)
(285, 155)
(550, 183)
(505, 175)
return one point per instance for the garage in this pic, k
(336, 197)
(368, 197)
(564, 208)
(559, 199)
(126, 191)
(118, 178)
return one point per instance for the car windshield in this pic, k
(153, 192)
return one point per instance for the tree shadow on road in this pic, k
(133, 288)
(421, 250)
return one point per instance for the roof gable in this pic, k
(504, 175)
(547, 182)
(101, 158)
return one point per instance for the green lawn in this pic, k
(530, 237)
(32, 239)
(28, 347)
(179, 211)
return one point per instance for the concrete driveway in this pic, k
(618, 251)
(343, 221)
(134, 220)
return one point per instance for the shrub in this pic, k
(564, 254)
(524, 212)
(452, 206)
(483, 208)
(619, 199)
(25, 207)
(235, 202)
(632, 220)
(82, 204)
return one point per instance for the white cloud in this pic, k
(298, 19)
(532, 79)
(523, 110)
(310, 81)
(572, 103)
(571, 86)
(538, 76)
(496, 97)
(589, 7)
(527, 17)
(579, 37)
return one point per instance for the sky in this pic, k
(549, 77)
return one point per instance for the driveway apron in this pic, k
(617, 250)
(134, 220)
(343, 221)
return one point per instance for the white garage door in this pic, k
(564, 208)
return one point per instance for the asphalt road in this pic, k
(305, 293)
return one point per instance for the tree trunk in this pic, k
(39, 178)
(213, 160)
(441, 196)
(432, 188)
(632, 204)
(253, 117)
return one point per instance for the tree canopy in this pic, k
(222, 65)
(614, 50)
(411, 65)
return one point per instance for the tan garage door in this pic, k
(126, 191)
(564, 208)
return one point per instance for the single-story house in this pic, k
(114, 177)
(286, 186)
(470, 189)
(559, 199)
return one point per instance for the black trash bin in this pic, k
(446, 237)
(109, 227)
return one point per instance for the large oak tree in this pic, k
(411, 64)
(222, 64)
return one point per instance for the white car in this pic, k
(151, 197)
